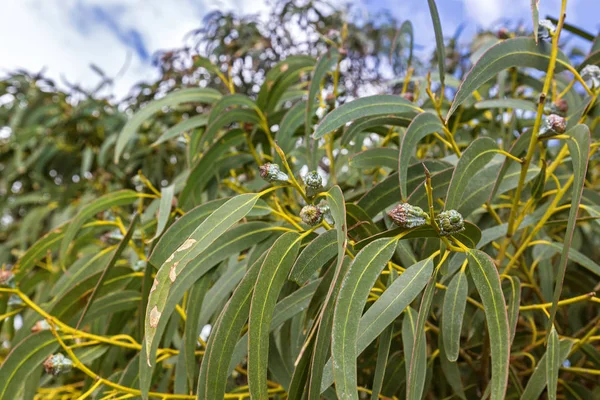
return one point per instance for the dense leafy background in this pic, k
(128, 226)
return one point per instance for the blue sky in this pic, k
(66, 36)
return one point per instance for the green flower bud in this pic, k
(7, 279)
(311, 215)
(591, 74)
(450, 222)
(57, 364)
(271, 173)
(408, 216)
(559, 107)
(553, 125)
(313, 182)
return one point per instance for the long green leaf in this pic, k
(439, 38)
(417, 368)
(487, 281)
(552, 363)
(122, 245)
(363, 107)
(23, 360)
(195, 300)
(455, 302)
(373, 158)
(361, 276)
(475, 158)
(579, 147)
(212, 227)
(195, 95)
(320, 250)
(422, 125)
(269, 283)
(517, 52)
(223, 337)
(184, 126)
(403, 291)
(164, 209)
(324, 65)
(118, 198)
(537, 380)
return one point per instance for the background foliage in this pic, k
(129, 226)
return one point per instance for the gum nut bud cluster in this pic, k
(7, 279)
(408, 216)
(57, 364)
(591, 74)
(553, 125)
(313, 182)
(271, 173)
(311, 215)
(450, 222)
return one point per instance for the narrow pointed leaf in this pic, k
(537, 380)
(318, 252)
(164, 209)
(212, 227)
(269, 283)
(579, 148)
(118, 198)
(552, 363)
(439, 38)
(455, 302)
(363, 107)
(23, 360)
(417, 368)
(195, 95)
(517, 52)
(361, 276)
(324, 65)
(472, 160)
(487, 281)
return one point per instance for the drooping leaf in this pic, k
(487, 281)
(324, 65)
(164, 210)
(192, 95)
(538, 380)
(373, 158)
(204, 235)
(535, 15)
(184, 126)
(118, 198)
(478, 154)
(417, 367)
(355, 288)
(363, 107)
(455, 302)
(315, 255)
(270, 280)
(439, 38)
(516, 52)
(223, 337)
(579, 148)
(23, 360)
(552, 363)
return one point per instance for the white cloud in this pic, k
(65, 36)
(485, 12)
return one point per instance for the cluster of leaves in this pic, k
(276, 243)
